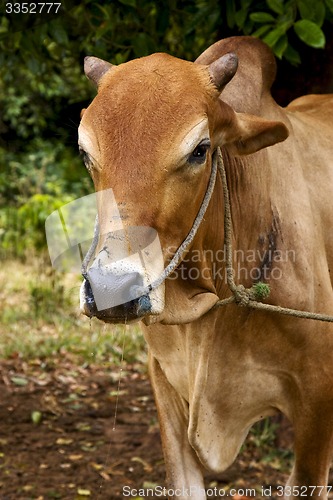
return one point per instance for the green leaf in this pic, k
(310, 33)
(248, 27)
(273, 36)
(289, 15)
(262, 17)
(292, 56)
(313, 11)
(281, 46)
(262, 31)
(319, 14)
(284, 26)
(275, 6)
(240, 18)
(305, 9)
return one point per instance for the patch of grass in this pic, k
(40, 318)
(263, 433)
(261, 441)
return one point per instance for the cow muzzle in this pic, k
(117, 286)
(125, 287)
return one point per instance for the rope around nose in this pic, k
(250, 297)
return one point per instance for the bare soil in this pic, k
(69, 432)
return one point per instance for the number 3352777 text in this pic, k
(32, 8)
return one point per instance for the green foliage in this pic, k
(45, 167)
(263, 433)
(279, 18)
(310, 33)
(261, 290)
(32, 185)
(42, 85)
(41, 80)
(22, 229)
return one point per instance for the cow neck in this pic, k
(182, 249)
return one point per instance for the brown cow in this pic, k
(150, 135)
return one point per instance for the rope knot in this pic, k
(242, 295)
(257, 292)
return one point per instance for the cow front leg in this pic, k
(313, 455)
(183, 469)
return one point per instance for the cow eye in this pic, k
(198, 155)
(86, 159)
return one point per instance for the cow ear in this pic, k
(95, 68)
(244, 134)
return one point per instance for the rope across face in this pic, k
(182, 249)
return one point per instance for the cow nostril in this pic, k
(144, 304)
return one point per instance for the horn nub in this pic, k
(223, 69)
(95, 68)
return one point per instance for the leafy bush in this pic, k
(280, 18)
(45, 167)
(22, 229)
(32, 185)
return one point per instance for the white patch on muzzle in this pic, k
(115, 281)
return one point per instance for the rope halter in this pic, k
(182, 249)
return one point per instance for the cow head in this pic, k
(149, 135)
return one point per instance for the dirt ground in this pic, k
(69, 432)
